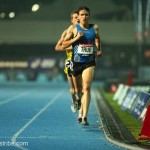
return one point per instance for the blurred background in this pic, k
(29, 30)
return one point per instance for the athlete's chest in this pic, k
(88, 35)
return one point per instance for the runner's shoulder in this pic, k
(71, 27)
(64, 33)
(96, 26)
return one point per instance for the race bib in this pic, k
(85, 49)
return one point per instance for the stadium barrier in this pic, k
(136, 100)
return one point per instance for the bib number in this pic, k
(85, 49)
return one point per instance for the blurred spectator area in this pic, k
(37, 62)
(103, 10)
(27, 41)
(30, 62)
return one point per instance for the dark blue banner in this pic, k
(141, 101)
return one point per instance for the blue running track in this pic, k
(38, 117)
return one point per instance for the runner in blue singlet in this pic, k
(84, 47)
(86, 44)
(84, 50)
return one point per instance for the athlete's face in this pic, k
(84, 16)
(75, 19)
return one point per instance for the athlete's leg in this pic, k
(72, 93)
(78, 88)
(87, 77)
(70, 81)
(80, 114)
(77, 81)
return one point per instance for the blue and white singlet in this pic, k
(84, 48)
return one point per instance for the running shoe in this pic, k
(73, 108)
(77, 101)
(84, 122)
(78, 104)
(74, 97)
(79, 119)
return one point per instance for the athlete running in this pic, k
(85, 39)
(74, 85)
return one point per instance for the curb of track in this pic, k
(115, 132)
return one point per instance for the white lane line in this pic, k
(63, 137)
(13, 98)
(57, 137)
(13, 139)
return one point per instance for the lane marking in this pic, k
(14, 98)
(56, 137)
(13, 139)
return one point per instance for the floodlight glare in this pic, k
(2, 15)
(11, 15)
(35, 7)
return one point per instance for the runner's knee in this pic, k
(86, 88)
(72, 91)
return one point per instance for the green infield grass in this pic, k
(127, 119)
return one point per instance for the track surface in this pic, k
(38, 116)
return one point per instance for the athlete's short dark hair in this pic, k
(83, 8)
(74, 12)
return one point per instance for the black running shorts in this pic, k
(69, 72)
(78, 67)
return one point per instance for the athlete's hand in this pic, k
(99, 53)
(79, 35)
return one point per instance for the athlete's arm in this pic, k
(98, 41)
(69, 38)
(58, 46)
